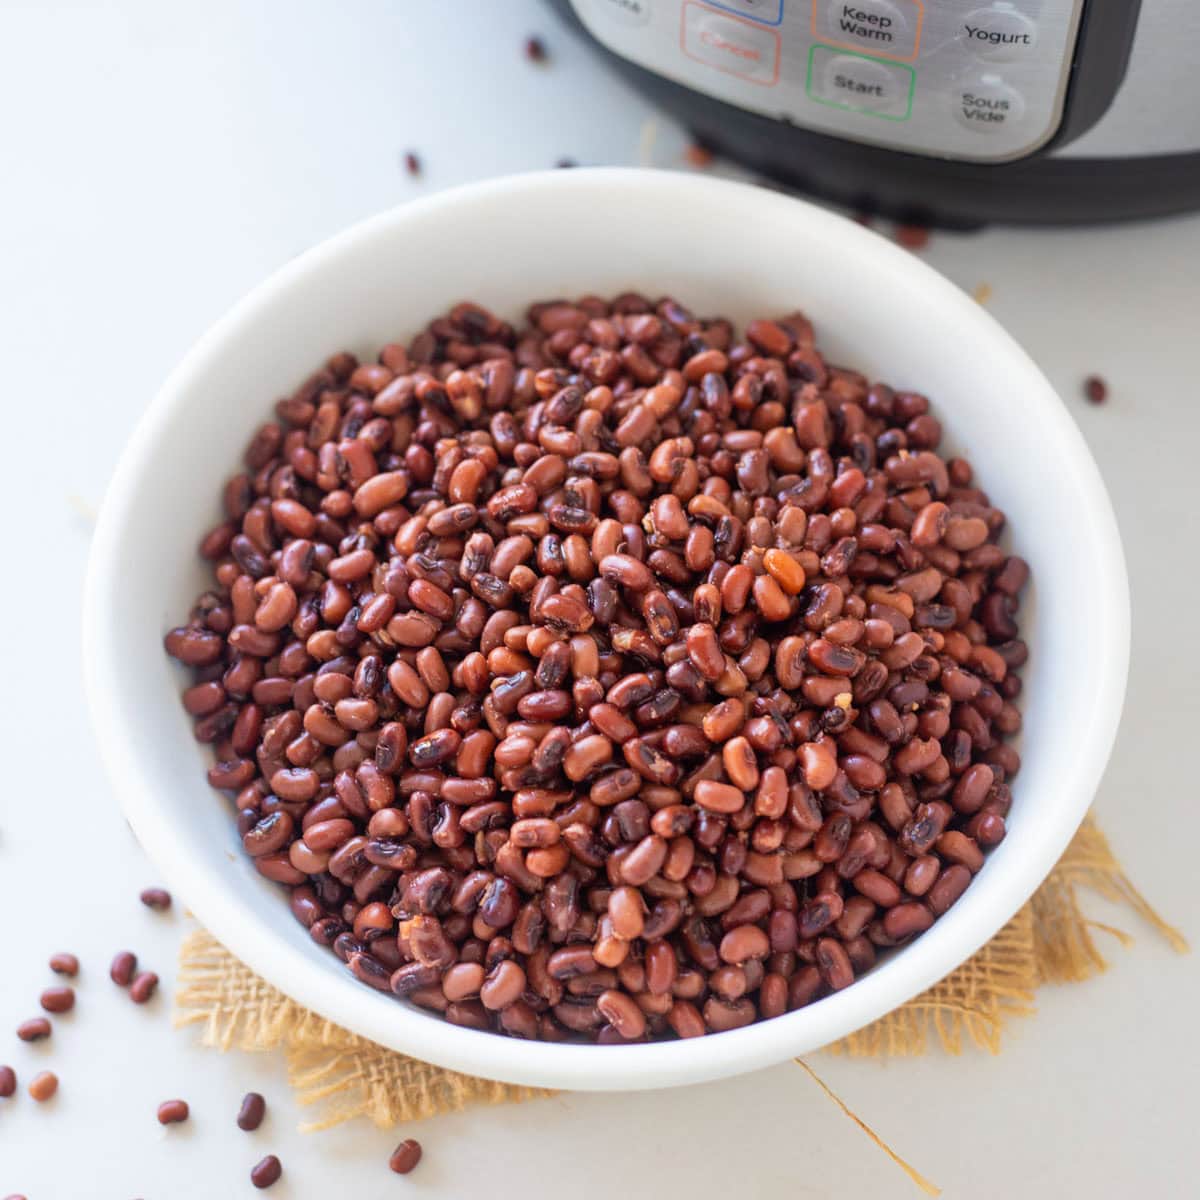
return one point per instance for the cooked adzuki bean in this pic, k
(610, 678)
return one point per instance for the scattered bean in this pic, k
(405, 1156)
(171, 1112)
(250, 1115)
(124, 964)
(58, 999)
(156, 898)
(143, 987)
(266, 1172)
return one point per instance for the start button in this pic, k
(859, 84)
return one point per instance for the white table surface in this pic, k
(158, 160)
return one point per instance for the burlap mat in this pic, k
(1049, 940)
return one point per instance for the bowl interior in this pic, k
(721, 249)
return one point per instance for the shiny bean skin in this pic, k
(621, 1011)
(172, 1112)
(907, 919)
(405, 1157)
(606, 675)
(950, 885)
(143, 987)
(251, 1113)
(266, 1172)
(34, 1030)
(503, 986)
(57, 999)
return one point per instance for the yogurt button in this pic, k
(998, 34)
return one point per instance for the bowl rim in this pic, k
(658, 1064)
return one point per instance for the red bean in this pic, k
(405, 1157)
(744, 942)
(503, 985)
(719, 797)
(158, 899)
(172, 1112)
(907, 919)
(143, 987)
(622, 1013)
(949, 887)
(58, 999)
(253, 1109)
(266, 1172)
(124, 964)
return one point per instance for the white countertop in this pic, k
(161, 158)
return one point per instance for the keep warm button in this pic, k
(988, 105)
(889, 28)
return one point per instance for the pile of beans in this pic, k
(614, 678)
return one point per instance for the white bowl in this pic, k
(721, 248)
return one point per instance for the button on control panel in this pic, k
(769, 12)
(629, 12)
(988, 105)
(998, 34)
(891, 28)
(976, 80)
(860, 84)
(731, 44)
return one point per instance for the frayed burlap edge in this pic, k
(1049, 940)
(347, 1075)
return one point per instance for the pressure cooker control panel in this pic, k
(982, 80)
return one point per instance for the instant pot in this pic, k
(951, 111)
